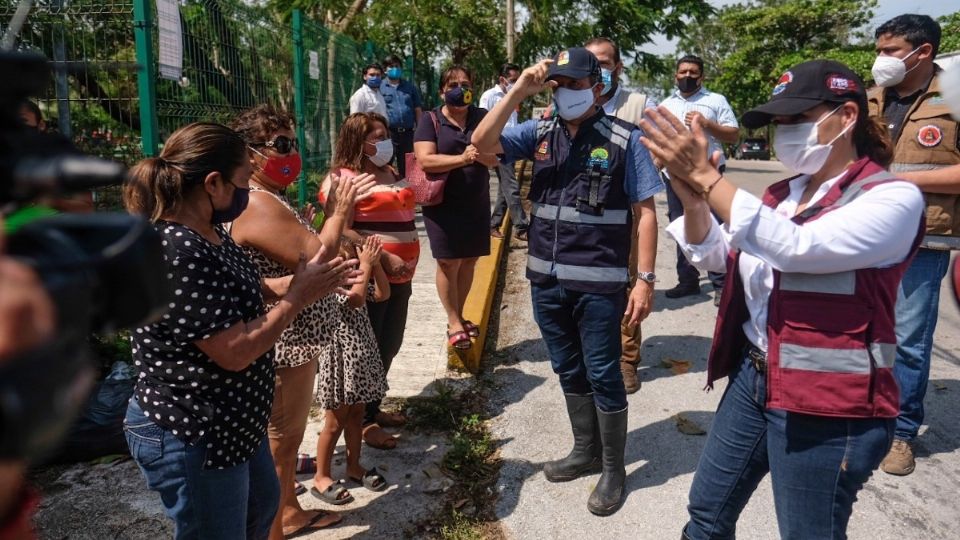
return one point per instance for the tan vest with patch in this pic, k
(928, 141)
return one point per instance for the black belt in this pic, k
(400, 129)
(757, 358)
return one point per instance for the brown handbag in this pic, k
(427, 187)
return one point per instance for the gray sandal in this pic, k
(332, 495)
(371, 480)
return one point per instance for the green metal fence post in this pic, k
(146, 75)
(298, 99)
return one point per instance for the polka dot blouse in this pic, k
(179, 387)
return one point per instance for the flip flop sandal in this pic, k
(385, 442)
(308, 527)
(371, 480)
(299, 489)
(459, 340)
(472, 329)
(332, 495)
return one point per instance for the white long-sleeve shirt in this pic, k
(875, 230)
(366, 100)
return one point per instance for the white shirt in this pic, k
(711, 105)
(490, 98)
(367, 99)
(875, 230)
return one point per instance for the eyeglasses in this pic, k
(455, 85)
(281, 144)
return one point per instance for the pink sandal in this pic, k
(459, 340)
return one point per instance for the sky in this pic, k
(886, 9)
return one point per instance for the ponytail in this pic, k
(873, 140)
(157, 186)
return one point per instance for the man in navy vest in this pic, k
(590, 174)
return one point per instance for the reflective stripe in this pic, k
(609, 217)
(837, 283)
(940, 243)
(794, 356)
(856, 188)
(539, 266)
(577, 273)
(544, 126)
(908, 167)
(605, 128)
(884, 354)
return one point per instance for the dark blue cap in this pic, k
(575, 63)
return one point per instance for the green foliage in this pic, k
(950, 36)
(471, 446)
(747, 46)
(461, 527)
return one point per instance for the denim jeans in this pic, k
(508, 195)
(582, 334)
(918, 302)
(238, 502)
(817, 464)
(687, 274)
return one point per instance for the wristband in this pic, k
(706, 192)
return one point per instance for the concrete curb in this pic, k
(477, 307)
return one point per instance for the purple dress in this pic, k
(459, 227)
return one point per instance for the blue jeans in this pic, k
(817, 464)
(239, 502)
(918, 302)
(582, 334)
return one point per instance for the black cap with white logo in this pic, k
(804, 87)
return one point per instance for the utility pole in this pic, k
(510, 31)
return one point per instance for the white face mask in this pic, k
(890, 70)
(798, 147)
(384, 153)
(572, 104)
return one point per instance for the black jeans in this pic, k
(402, 145)
(508, 195)
(389, 320)
(687, 274)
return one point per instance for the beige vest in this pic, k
(629, 106)
(927, 141)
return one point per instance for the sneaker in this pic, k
(899, 460)
(682, 290)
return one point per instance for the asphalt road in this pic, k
(532, 426)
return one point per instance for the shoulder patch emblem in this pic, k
(600, 157)
(929, 136)
(543, 151)
(563, 58)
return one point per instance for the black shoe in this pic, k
(607, 497)
(584, 459)
(716, 298)
(682, 290)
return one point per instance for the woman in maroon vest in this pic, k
(806, 331)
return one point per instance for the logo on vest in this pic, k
(600, 157)
(563, 59)
(543, 151)
(929, 136)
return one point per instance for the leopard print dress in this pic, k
(314, 327)
(350, 368)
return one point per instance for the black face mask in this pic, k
(688, 84)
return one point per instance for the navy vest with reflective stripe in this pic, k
(580, 221)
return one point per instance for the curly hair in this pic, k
(256, 125)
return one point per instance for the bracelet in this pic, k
(706, 192)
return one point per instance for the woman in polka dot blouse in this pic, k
(197, 423)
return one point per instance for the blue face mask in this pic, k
(606, 77)
(394, 73)
(241, 196)
(374, 82)
(458, 97)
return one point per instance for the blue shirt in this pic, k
(401, 102)
(640, 182)
(711, 105)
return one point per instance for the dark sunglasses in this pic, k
(281, 143)
(455, 85)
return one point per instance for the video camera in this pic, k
(103, 272)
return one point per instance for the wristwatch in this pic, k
(649, 277)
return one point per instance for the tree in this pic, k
(950, 36)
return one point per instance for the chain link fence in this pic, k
(107, 97)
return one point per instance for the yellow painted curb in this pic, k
(477, 306)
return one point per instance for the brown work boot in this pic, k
(899, 460)
(631, 383)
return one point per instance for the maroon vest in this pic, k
(831, 337)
